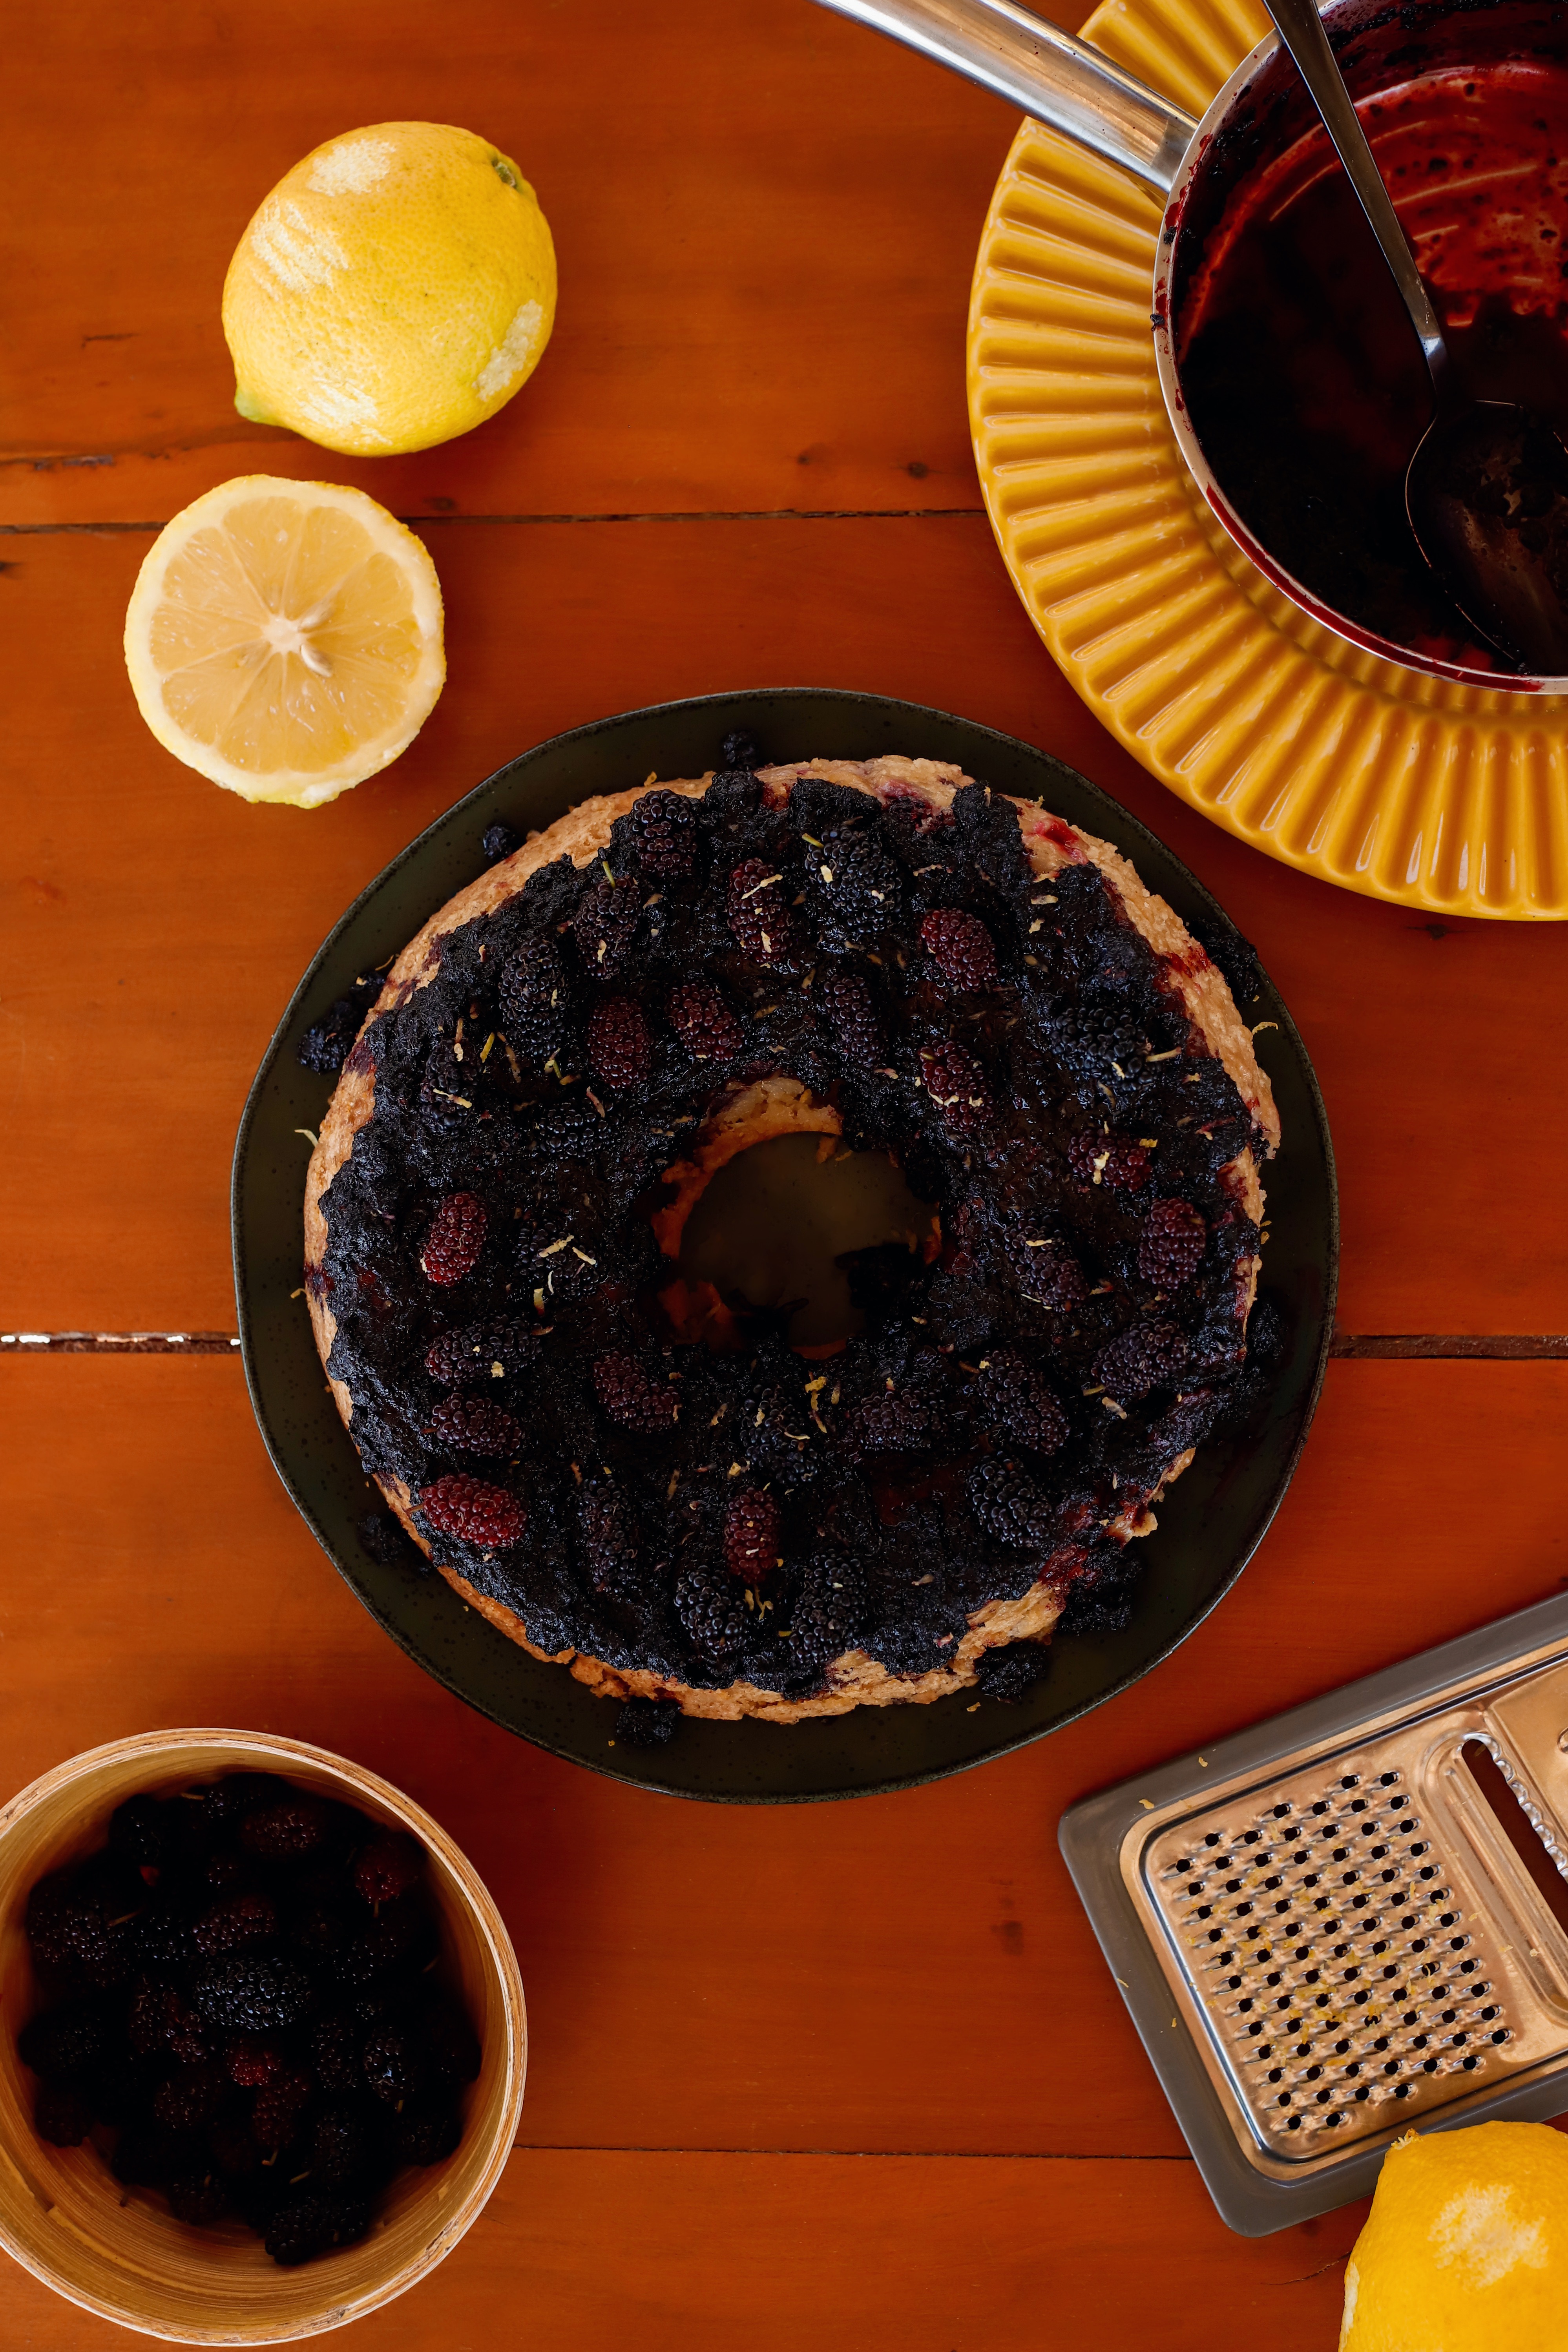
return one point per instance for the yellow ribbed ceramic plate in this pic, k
(1365, 773)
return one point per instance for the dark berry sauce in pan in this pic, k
(1301, 374)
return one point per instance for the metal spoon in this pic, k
(1487, 489)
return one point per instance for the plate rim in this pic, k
(1501, 867)
(1126, 823)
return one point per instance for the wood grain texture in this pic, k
(765, 220)
(598, 2251)
(883, 1975)
(151, 926)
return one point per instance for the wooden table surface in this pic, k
(848, 2075)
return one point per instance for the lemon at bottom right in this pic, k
(1465, 2248)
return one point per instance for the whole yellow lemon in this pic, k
(394, 289)
(1465, 2248)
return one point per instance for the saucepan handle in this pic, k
(1061, 82)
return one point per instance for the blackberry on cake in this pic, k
(633, 1474)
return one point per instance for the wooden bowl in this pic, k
(119, 2251)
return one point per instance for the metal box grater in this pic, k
(1326, 1935)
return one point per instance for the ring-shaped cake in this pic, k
(643, 1480)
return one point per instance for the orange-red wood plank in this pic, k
(152, 927)
(902, 1972)
(765, 219)
(592, 2250)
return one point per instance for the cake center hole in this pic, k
(784, 1225)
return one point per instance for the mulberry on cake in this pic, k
(650, 1485)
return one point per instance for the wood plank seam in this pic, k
(695, 514)
(1504, 1346)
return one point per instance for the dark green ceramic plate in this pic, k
(1209, 1525)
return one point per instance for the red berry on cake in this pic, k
(704, 1023)
(750, 1533)
(472, 1424)
(759, 911)
(961, 947)
(473, 1512)
(455, 1237)
(626, 1393)
(620, 1051)
(1171, 1243)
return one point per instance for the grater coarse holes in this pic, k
(1333, 1957)
(1351, 1920)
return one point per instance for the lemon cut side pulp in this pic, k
(284, 639)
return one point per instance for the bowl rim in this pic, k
(256, 1749)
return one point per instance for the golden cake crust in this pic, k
(853, 1679)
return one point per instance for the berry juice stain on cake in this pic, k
(870, 1037)
(1301, 371)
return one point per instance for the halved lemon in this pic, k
(284, 639)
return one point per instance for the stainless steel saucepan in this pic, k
(1193, 166)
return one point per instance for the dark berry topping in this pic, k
(608, 1535)
(382, 1537)
(664, 834)
(499, 841)
(620, 1051)
(603, 926)
(455, 1237)
(710, 1608)
(480, 1351)
(850, 1013)
(752, 1528)
(1008, 1504)
(1147, 1356)
(961, 947)
(473, 1424)
(629, 1396)
(1171, 1243)
(474, 1512)
(326, 1044)
(758, 911)
(894, 1423)
(956, 1084)
(1011, 1394)
(1114, 1159)
(854, 884)
(739, 750)
(704, 1023)
(647, 1722)
(534, 1004)
(1009, 1041)
(1011, 1674)
(828, 1614)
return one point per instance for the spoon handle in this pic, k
(1301, 27)
(1063, 83)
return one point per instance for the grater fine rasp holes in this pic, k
(1333, 1959)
